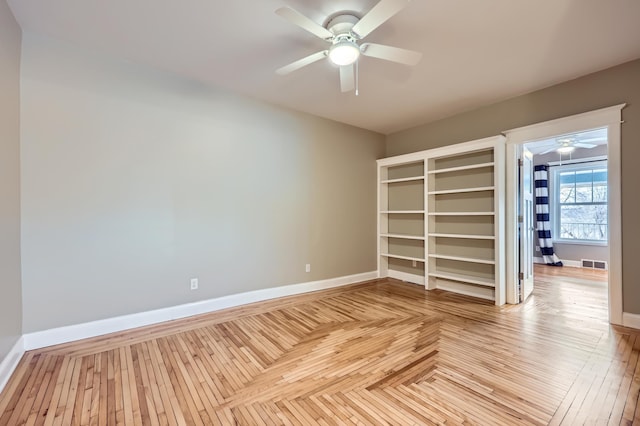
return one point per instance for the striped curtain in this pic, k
(541, 177)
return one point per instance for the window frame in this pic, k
(583, 164)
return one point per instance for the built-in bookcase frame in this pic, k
(441, 218)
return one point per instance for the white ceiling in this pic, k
(593, 137)
(476, 52)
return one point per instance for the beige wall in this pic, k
(10, 287)
(135, 181)
(605, 88)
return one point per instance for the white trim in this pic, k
(570, 124)
(10, 362)
(570, 263)
(55, 336)
(606, 117)
(581, 242)
(578, 161)
(512, 257)
(499, 157)
(631, 320)
(615, 220)
(461, 288)
(443, 151)
(405, 276)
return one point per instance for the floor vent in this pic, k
(594, 264)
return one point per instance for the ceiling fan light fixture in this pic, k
(344, 52)
(344, 31)
(566, 149)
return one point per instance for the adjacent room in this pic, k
(296, 212)
(570, 218)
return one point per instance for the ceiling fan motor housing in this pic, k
(341, 25)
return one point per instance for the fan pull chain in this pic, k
(357, 68)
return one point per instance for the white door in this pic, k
(525, 219)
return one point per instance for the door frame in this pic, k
(611, 118)
(526, 236)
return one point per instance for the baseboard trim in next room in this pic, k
(571, 263)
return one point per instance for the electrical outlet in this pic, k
(537, 248)
(414, 263)
(307, 267)
(194, 283)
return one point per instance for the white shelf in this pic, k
(457, 169)
(461, 214)
(463, 259)
(402, 212)
(464, 236)
(403, 236)
(477, 291)
(463, 190)
(463, 278)
(408, 179)
(396, 256)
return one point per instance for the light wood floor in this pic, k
(382, 352)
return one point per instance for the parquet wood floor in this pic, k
(382, 352)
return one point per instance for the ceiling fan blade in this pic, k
(347, 81)
(555, 148)
(382, 11)
(305, 23)
(584, 145)
(390, 53)
(588, 140)
(302, 62)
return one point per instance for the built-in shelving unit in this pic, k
(440, 218)
(401, 219)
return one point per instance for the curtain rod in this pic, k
(577, 161)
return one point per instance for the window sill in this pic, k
(582, 242)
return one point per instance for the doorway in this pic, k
(517, 139)
(563, 204)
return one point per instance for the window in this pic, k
(581, 202)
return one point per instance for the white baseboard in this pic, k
(10, 362)
(486, 293)
(56, 336)
(571, 263)
(405, 276)
(631, 320)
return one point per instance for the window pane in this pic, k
(600, 193)
(600, 185)
(584, 186)
(567, 187)
(583, 222)
(600, 175)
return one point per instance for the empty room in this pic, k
(333, 212)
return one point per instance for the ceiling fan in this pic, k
(344, 31)
(566, 145)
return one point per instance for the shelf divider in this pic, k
(463, 259)
(403, 236)
(461, 213)
(402, 212)
(409, 179)
(397, 256)
(463, 236)
(463, 278)
(460, 168)
(462, 190)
